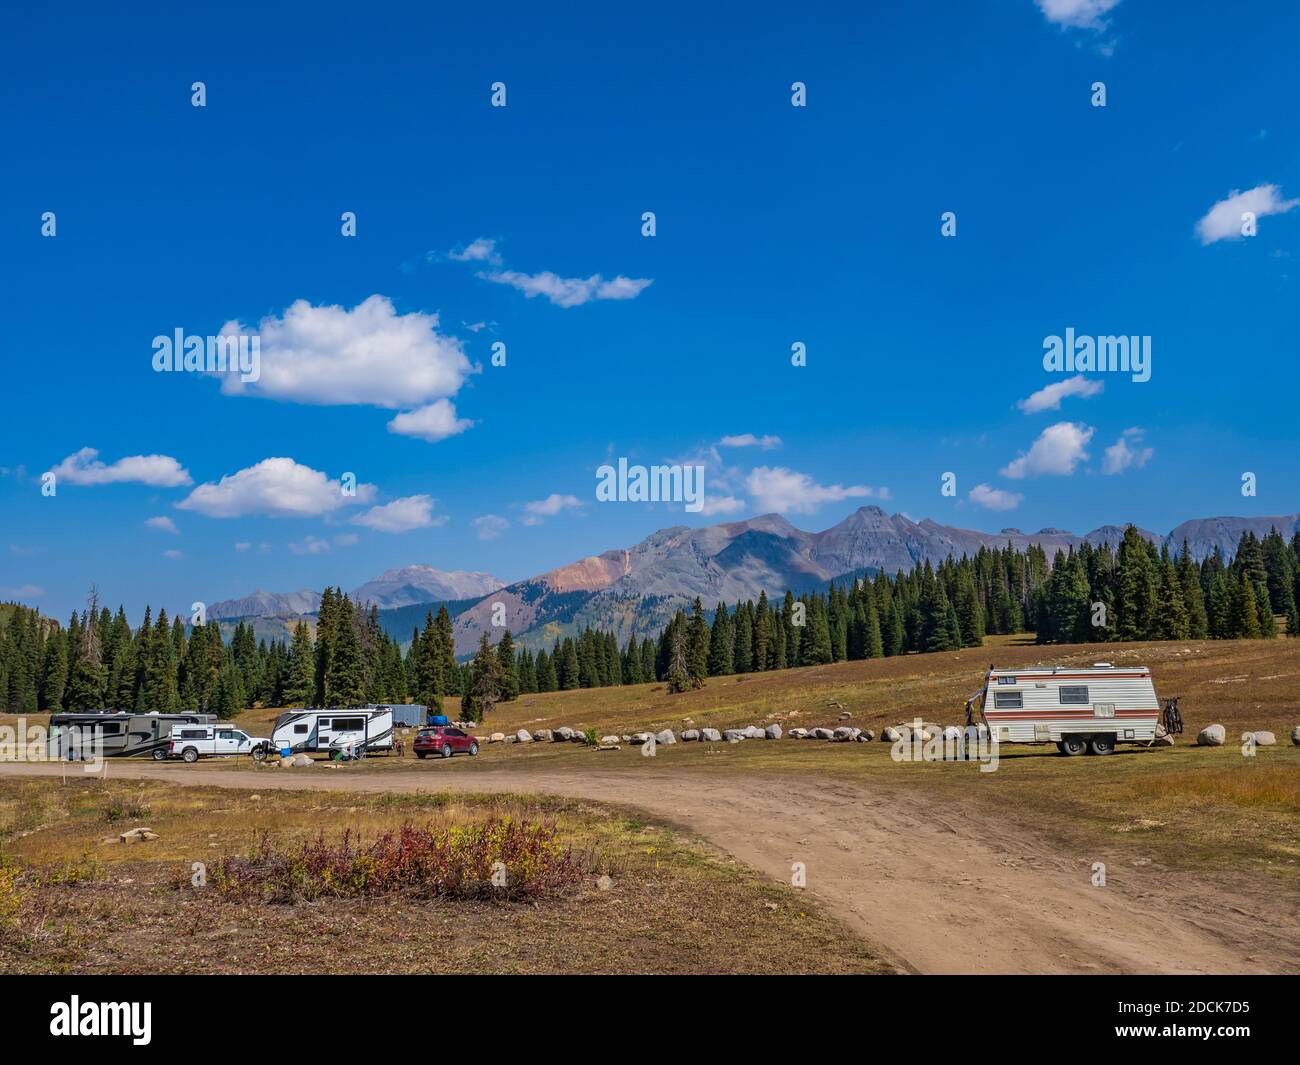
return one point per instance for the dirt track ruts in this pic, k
(936, 891)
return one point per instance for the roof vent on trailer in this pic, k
(1102, 665)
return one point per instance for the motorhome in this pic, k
(115, 734)
(332, 730)
(1080, 709)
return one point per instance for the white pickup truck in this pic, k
(192, 742)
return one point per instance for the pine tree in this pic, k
(507, 668)
(298, 684)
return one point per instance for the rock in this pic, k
(845, 734)
(691, 734)
(753, 732)
(798, 733)
(301, 759)
(497, 737)
(137, 835)
(865, 736)
(822, 734)
(710, 735)
(772, 732)
(952, 734)
(640, 738)
(1295, 735)
(627, 738)
(609, 741)
(665, 737)
(286, 763)
(889, 734)
(564, 734)
(543, 735)
(734, 735)
(1212, 736)
(1264, 739)
(523, 736)
(845, 716)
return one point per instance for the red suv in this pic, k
(444, 740)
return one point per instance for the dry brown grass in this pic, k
(674, 905)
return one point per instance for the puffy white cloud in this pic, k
(434, 422)
(721, 504)
(1128, 452)
(1078, 14)
(1049, 398)
(401, 515)
(983, 495)
(83, 467)
(163, 524)
(310, 545)
(1058, 450)
(490, 526)
(790, 492)
(173, 553)
(547, 508)
(482, 250)
(766, 443)
(569, 291)
(370, 356)
(278, 488)
(1223, 221)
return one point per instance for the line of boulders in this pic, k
(1217, 736)
(563, 734)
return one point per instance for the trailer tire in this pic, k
(1103, 744)
(190, 755)
(1071, 746)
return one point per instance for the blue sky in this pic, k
(775, 224)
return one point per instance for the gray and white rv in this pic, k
(326, 731)
(115, 734)
(1088, 708)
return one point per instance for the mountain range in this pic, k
(635, 590)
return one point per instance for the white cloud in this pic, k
(1058, 450)
(1078, 14)
(548, 507)
(310, 545)
(789, 492)
(401, 515)
(569, 291)
(482, 250)
(84, 467)
(1049, 398)
(1127, 453)
(435, 422)
(346, 540)
(23, 591)
(173, 553)
(983, 495)
(163, 524)
(370, 356)
(1223, 220)
(766, 443)
(279, 488)
(715, 504)
(490, 526)
(242, 545)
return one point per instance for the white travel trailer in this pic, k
(1078, 708)
(357, 728)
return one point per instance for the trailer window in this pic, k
(1074, 694)
(349, 724)
(1008, 700)
(300, 730)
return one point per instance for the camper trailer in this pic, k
(327, 731)
(115, 734)
(1080, 709)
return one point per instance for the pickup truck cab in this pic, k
(192, 742)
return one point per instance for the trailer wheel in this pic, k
(1102, 744)
(159, 754)
(190, 755)
(1072, 745)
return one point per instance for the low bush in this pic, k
(500, 858)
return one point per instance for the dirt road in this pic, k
(936, 892)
